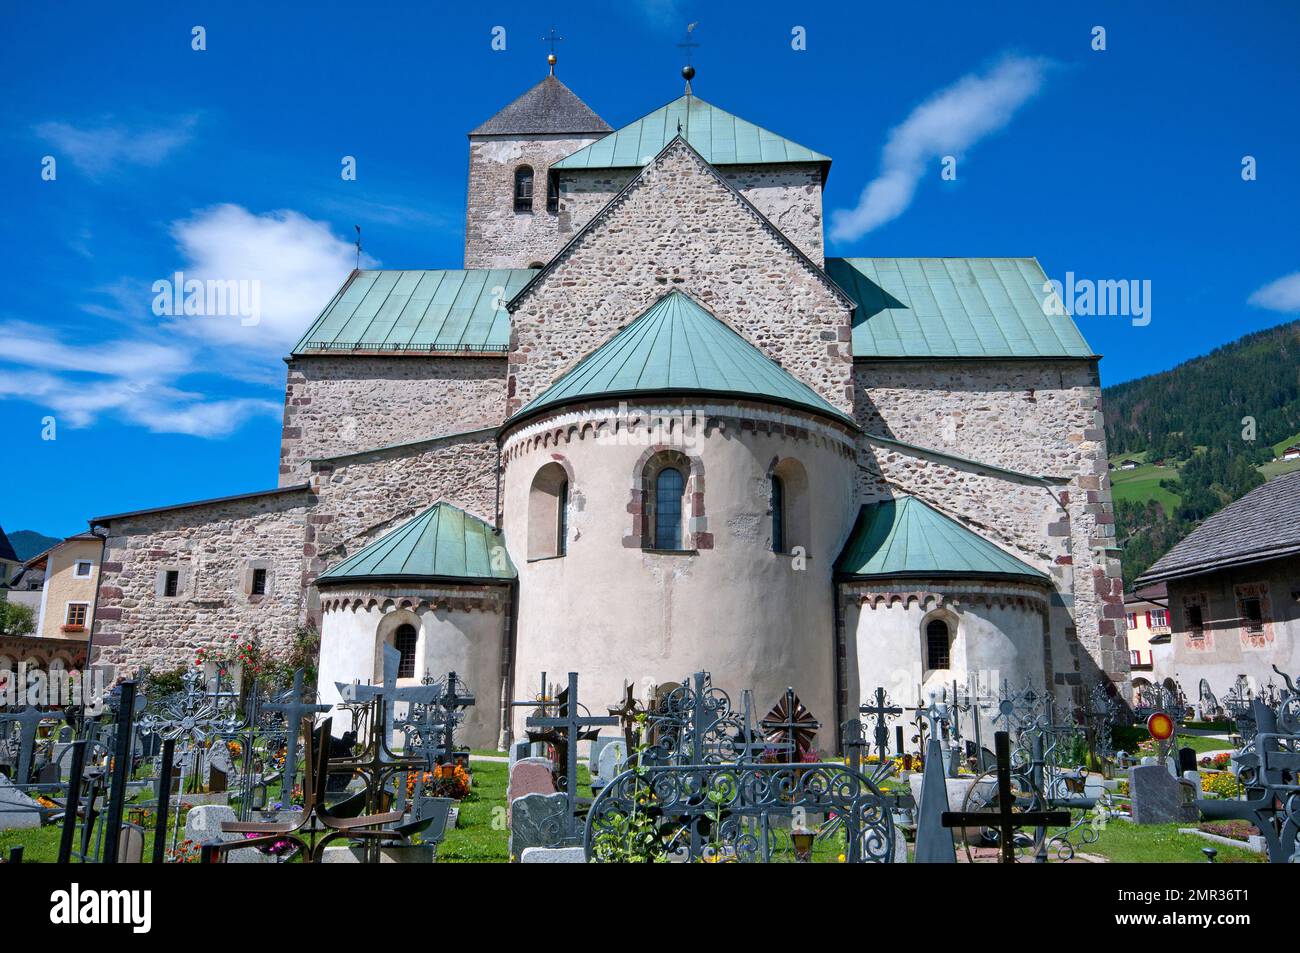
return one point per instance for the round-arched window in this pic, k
(669, 486)
(938, 644)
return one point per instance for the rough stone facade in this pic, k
(679, 227)
(213, 548)
(789, 196)
(1039, 418)
(335, 404)
(497, 236)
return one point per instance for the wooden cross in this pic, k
(854, 741)
(568, 727)
(1005, 817)
(627, 712)
(883, 711)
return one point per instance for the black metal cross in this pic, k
(552, 38)
(294, 710)
(687, 44)
(854, 741)
(1006, 818)
(29, 721)
(882, 711)
(567, 727)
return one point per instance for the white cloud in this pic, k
(948, 123)
(1280, 295)
(297, 263)
(110, 145)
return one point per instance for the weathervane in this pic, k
(552, 38)
(688, 71)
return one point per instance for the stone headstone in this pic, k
(203, 826)
(537, 821)
(130, 845)
(553, 855)
(528, 776)
(1186, 760)
(610, 762)
(1160, 798)
(520, 748)
(17, 810)
(416, 854)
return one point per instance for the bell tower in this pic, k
(513, 202)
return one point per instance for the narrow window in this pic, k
(778, 515)
(259, 582)
(668, 509)
(404, 642)
(1195, 622)
(524, 188)
(552, 194)
(937, 644)
(1252, 614)
(76, 613)
(171, 582)
(83, 568)
(562, 520)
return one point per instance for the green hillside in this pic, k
(1190, 429)
(27, 542)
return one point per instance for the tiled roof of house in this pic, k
(954, 307)
(717, 135)
(677, 347)
(462, 310)
(1264, 524)
(444, 542)
(549, 107)
(905, 537)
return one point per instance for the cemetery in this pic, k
(228, 769)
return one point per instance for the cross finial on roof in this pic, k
(688, 44)
(552, 38)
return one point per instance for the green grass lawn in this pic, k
(1200, 744)
(1125, 843)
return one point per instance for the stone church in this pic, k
(650, 428)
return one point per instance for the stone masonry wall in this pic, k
(343, 404)
(1039, 418)
(496, 236)
(362, 497)
(680, 228)
(790, 196)
(214, 548)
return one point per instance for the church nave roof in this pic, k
(954, 307)
(426, 310)
(717, 135)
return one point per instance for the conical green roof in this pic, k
(907, 538)
(676, 347)
(717, 135)
(442, 543)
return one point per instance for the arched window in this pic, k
(524, 188)
(668, 508)
(562, 521)
(778, 514)
(791, 520)
(548, 513)
(938, 644)
(404, 640)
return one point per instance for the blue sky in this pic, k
(1123, 163)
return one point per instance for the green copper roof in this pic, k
(717, 135)
(905, 537)
(443, 542)
(953, 307)
(678, 347)
(418, 311)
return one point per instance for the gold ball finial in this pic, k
(551, 60)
